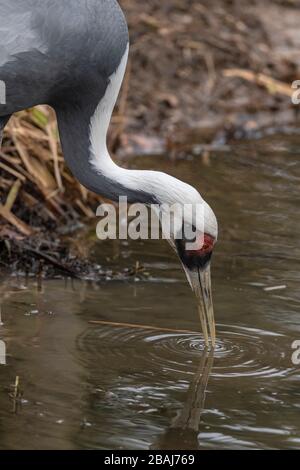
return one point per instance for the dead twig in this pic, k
(60, 266)
(15, 221)
(141, 327)
(13, 194)
(272, 85)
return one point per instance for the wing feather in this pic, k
(17, 34)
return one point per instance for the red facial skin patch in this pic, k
(206, 248)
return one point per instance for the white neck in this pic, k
(137, 185)
(100, 158)
(160, 185)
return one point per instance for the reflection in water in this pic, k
(183, 434)
(90, 385)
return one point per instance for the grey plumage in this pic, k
(62, 53)
(52, 50)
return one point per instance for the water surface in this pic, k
(85, 385)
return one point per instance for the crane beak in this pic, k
(200, 282)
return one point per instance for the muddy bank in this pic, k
(216, 66)
(201, 75)
(44, 257)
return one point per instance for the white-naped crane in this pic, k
(72, 55)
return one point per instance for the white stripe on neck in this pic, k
(100, 158)
(165, 188)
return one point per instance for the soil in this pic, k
(186, 58)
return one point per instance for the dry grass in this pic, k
(33, 175)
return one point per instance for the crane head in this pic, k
(194, 239)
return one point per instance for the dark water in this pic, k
(109, 387)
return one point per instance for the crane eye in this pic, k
(196, 259)
(207, 246)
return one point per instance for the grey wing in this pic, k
(52, 50)
(16, 33)
(22, 54)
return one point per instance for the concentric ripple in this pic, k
(240, 352)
